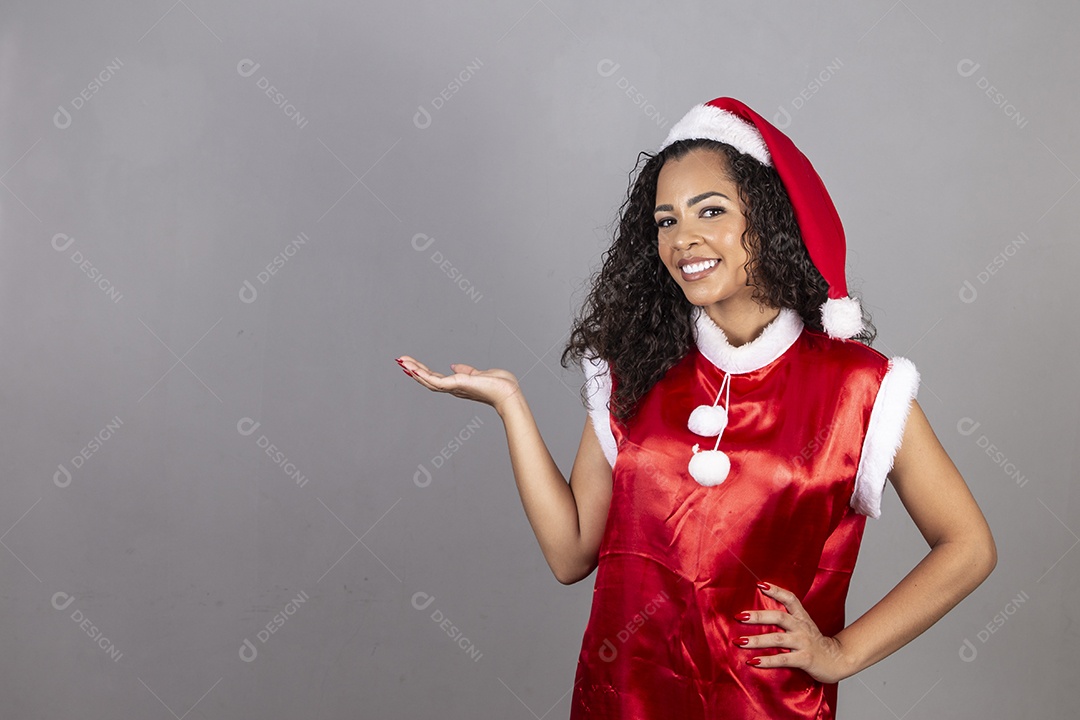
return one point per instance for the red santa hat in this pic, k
(730, 121)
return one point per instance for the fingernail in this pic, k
(398, 361)
(753, 661)
(763, 585)
(742, 641)
(406, 371)
(743, 616)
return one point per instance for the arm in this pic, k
(568, 519)
(962, 551)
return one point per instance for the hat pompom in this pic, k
(842, 317)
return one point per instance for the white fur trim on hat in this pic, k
(884, 434)
(842, 317)
(706, 121)
(598, 382)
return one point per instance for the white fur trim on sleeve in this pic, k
(598, 389)
(884, 434)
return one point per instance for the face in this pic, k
(699, 215)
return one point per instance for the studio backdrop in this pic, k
(220, 222)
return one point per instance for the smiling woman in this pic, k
(722, 312)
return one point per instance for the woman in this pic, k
(721, 311)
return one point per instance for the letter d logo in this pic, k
(422, 472)
(606, 67)
(64, 473)
(421, 600)
(62, 118)
(966, 426)
(967, 68)
(64, 598)
(248, 293)
(250, 425)
(248, 651)
(427, 244)
(247, 68)
(781, 124)
(62, 237)
(968, 293)
(422, 118)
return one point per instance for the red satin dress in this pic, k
(813, 426)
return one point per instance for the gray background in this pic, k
(177, 179)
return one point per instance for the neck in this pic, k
(742, 325)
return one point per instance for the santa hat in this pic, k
(730, 121)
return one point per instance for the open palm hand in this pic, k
(493, 387)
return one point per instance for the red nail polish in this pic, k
(753, 661)
(399, 361)
(742, 641)
(406, 371)
(763, 585)
(743, 616)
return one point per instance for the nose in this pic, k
(683, 236)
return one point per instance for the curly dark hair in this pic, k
(636, 316)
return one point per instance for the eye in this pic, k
(710, 209)
(660, 223)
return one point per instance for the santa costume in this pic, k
(757, 462)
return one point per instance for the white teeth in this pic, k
(698, 266)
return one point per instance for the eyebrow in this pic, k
(694, 200)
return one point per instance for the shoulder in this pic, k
(883, 390)
(819, 350)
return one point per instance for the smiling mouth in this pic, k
(698, 270)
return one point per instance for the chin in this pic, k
(702, 296)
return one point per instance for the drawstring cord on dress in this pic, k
(711, 467)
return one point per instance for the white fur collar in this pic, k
(779, 335)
